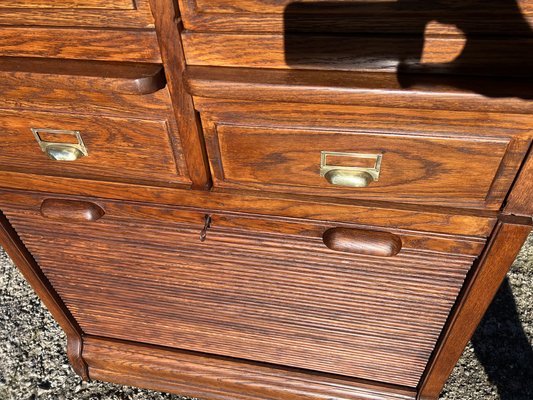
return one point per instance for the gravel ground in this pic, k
(496, 365)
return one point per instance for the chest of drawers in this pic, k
(247, 199)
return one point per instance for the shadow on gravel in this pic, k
(503, 348)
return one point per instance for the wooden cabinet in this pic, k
(261, 199)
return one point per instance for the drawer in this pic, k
(357, 301)
(88, 147)
(360, 35)
(89, 120)
(118, 30)
(410, 16)
(77, 13)
(412, 156)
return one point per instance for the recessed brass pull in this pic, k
(356, 177)
(342, 177)
(61, 151)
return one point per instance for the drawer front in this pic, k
(96, 147)
(313, 35)
(87, 13)
(372, 154)
(262, 290)
(371, 16)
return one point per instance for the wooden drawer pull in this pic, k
(71, 210)
(77, 75)
(358, 241)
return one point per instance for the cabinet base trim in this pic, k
(213, 377)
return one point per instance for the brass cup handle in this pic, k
(61, 151)
(352, 176)
(357, 179)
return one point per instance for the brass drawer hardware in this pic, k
(350, 176)
(61, 151)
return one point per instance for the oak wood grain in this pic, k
(134, 14)
(73, 4)
(225, 295)
(476, 296)
(123, 211)
(356, 53)
(520, 200)
(119, 149)
(166, 15)
(406, 17)
(71, 210)
(84, 44)
(430, 219)
(277, 147)
(364, 88)
(75, 75)
(212, 377)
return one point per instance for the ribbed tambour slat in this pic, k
(278, 299)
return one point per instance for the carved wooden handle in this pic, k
(359, 241)
(71, 210)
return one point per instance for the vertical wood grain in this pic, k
(34, 276)
(520, 201)
(166, 16)
(476, 296)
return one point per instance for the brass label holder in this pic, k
(61, 151)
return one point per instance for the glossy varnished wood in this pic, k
(220, 378)
(357, 241)
(475, 298)
(87, 13)
(520, 201)
(352, 53)
(74, 75)
(166, 15)
(464, 159)
(157, 213)
(300, 290)
(119, 149)
(355, 17)
(364, 88)
(83, 44)
(319, 309)
(432, 219)
(71, 210)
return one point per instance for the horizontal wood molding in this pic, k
(76, 75)
(200, 375)
(433, 219)
(160, 215)
(380, 89)
(83, 44)
(357, 53)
